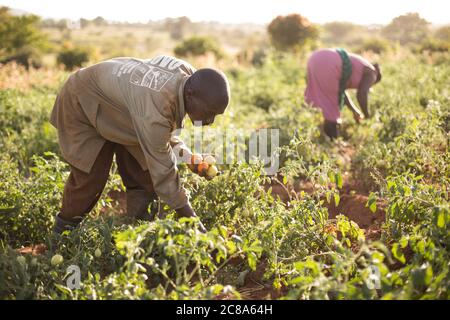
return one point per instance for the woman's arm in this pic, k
(356, 112)
(368, 79)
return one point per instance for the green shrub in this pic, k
(28, 204)
(73, 57)
(433, 45)
(292, 32)
(198, 46)
(20, 38)
(375, 45)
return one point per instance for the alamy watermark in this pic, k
(73, 280)
(374, 279)
(232, 145)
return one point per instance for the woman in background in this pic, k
(330, 73)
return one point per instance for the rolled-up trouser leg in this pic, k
(82, 190)
(139, 185)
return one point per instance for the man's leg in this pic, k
(82, 190)
(140, 192)
(331, 129)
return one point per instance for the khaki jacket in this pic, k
(132, 102)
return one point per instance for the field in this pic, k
(366, 217)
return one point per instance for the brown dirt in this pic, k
(354, 207)
(352, 185)
(120, 198)
(277, 191)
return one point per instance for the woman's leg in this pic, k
(331, 129)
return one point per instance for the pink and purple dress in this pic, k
(324, 73)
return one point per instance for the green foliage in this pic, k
(292, 32)
(431, 45)
(279, 227)
(73, 57)
(271, 84)
(198, 46)
(20, 38)
(28, 204)
(410, 133)
(24, 127)
(375, 45)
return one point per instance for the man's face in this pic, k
(199, 111)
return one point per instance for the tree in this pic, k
(291, 32)
(99, 22)
(407, 29)
(20, 36)
(198, 46)
(73, 57)
(61, 24)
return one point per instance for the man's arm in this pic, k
(184, 153)
(155, 141)
(367, 81)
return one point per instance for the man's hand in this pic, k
(188, 212)
(201, 164)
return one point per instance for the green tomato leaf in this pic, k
(441, 220)
(337, 199)
(338, 178)
(398, 254)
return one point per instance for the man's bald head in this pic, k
(206, 94)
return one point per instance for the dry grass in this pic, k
(15, 76)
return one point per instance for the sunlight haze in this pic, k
(236, 11)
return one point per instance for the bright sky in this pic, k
(236, 11)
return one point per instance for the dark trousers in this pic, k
(82, 190)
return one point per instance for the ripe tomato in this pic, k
(196, 158)
(202, 168)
